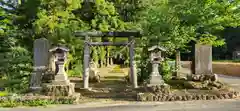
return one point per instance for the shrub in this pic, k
(21, 100)
(16, 65)
(167, 70)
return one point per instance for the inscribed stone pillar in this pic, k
(203, 59)
(40, 57)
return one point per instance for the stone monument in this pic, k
(40, 57)
(202, 64)
(203, 59)
(60, 86)
(156, 59)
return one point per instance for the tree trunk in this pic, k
(111, 60)
(107, 57)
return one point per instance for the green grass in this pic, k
(3, 93)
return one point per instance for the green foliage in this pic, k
(16, 66)
(11, 101)
(143, 66)
(166, 70)
(207, 39)
(179, 22)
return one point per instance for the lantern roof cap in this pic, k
(156, 47)
(65, 49)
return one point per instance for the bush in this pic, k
(167, 70)
(16, 65)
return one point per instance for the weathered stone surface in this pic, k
(225, 96)
(160, 98)
(203, 59)
(94, 74)
(210, 97)
(155, 58)
(155, 98)
(173, 98)
(204, 97)
(203, 77)
(58, 90)
(41, 59)
(48, 77)
(231, 95)
(150, 97)
(178, 64)
(188, 97)
(215, 97)
(178, 98)
(158, 89)
(164, 98)
(184, 98)
(142, 97)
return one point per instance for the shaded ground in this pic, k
(113, 86)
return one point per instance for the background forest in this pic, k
(171, 23)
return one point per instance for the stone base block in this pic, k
(95, 79)
(58, 89)
(156, 80)
(63, 82)
(163, 89)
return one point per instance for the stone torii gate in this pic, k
(87, 44)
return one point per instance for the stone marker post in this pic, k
(40, 57)
(203, 59)
(178, 63)
(156, 58)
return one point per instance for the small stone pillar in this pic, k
(60, 86)
(178, 64)
(156, 59)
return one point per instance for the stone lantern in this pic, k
(60, 54)
(156, 58)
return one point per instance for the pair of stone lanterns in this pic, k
(156, 58)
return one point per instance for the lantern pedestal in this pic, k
(155, 77)
(61, 76)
